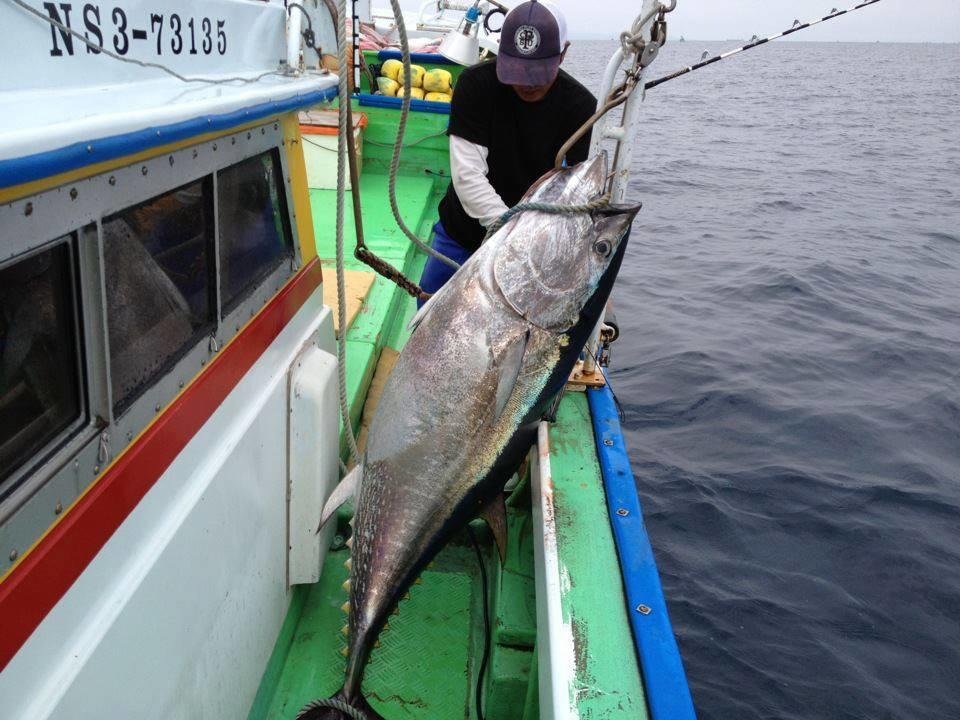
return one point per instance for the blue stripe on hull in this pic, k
(668, 695)
(17, 171)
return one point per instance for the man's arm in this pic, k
(468, 169)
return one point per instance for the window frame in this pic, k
(60, 474)
(71, 438)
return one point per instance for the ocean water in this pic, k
(790, 373)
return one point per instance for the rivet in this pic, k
(623, 512)
(644, 610)
(13, 555)
(58, 509)
(233, 141)
(214, 147)
(28, 209)
(248, 135)
(156, 408)
(171, 160)
(181, 383)
(203, 362)
(194, 152)
(274, 126)
(129, 436)
(608, 443)
(263, 131)
(96, 469)
(89, 148)
(112, 180)
(73, 193)
(158, 133)
(143, 170)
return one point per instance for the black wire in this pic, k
(486, 623)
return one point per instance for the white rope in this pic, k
(398, 145)
(342, 140)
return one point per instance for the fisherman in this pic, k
(508, 121)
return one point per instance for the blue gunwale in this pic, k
(665, 681)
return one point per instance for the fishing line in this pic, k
(756, 42)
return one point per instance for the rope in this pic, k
(157, 66)
(312, 709)
(342, 107)
(756, 42)
(549, 208)
(398, 145)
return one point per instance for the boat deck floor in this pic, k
(422, 667)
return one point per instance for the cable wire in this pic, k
(486, 623)
(141, 63)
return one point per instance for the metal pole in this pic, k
(356, 49)
(624, 134)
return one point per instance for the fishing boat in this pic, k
(169, 404)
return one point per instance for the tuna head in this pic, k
(548, 266)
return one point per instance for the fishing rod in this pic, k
(756, 42)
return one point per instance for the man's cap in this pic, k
(531, 43)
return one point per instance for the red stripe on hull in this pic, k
(44, 575)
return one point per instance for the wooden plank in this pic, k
(358, 284)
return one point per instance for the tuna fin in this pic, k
(423, 311)
(495, 513)
(510, 365)
(348, 488)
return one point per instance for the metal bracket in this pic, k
(579, 378)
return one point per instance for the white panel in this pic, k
(555, 654)
(314, 466)
(177, 615)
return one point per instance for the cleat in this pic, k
(349, 542)
(346, 607)
(347, 564)
(346, 585)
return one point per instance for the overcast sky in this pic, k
(889, 20)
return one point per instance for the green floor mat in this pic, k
(421, 670)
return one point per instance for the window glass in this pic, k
(158, 265)
(40, 379)
(254, 228)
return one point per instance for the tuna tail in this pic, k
(339, 707)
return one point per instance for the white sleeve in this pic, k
(468, 169)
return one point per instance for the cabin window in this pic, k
(158, 266)
(41, 387)
(254, 228)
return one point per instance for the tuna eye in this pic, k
(602, 247)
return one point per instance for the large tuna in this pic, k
(488, 355)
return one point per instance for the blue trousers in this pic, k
(436, 273)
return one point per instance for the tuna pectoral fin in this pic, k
(346, 490)
(495, 513)
(510, 364)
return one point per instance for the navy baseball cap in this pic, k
(531, 44)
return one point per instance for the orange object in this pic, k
(327, 122)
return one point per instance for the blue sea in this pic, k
(790, 373)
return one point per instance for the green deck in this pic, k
(428, 660)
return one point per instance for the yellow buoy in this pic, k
(439, 97)
(392, 69)
(416, 76)
(387, 86)
(416, 93)
(438, 80)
